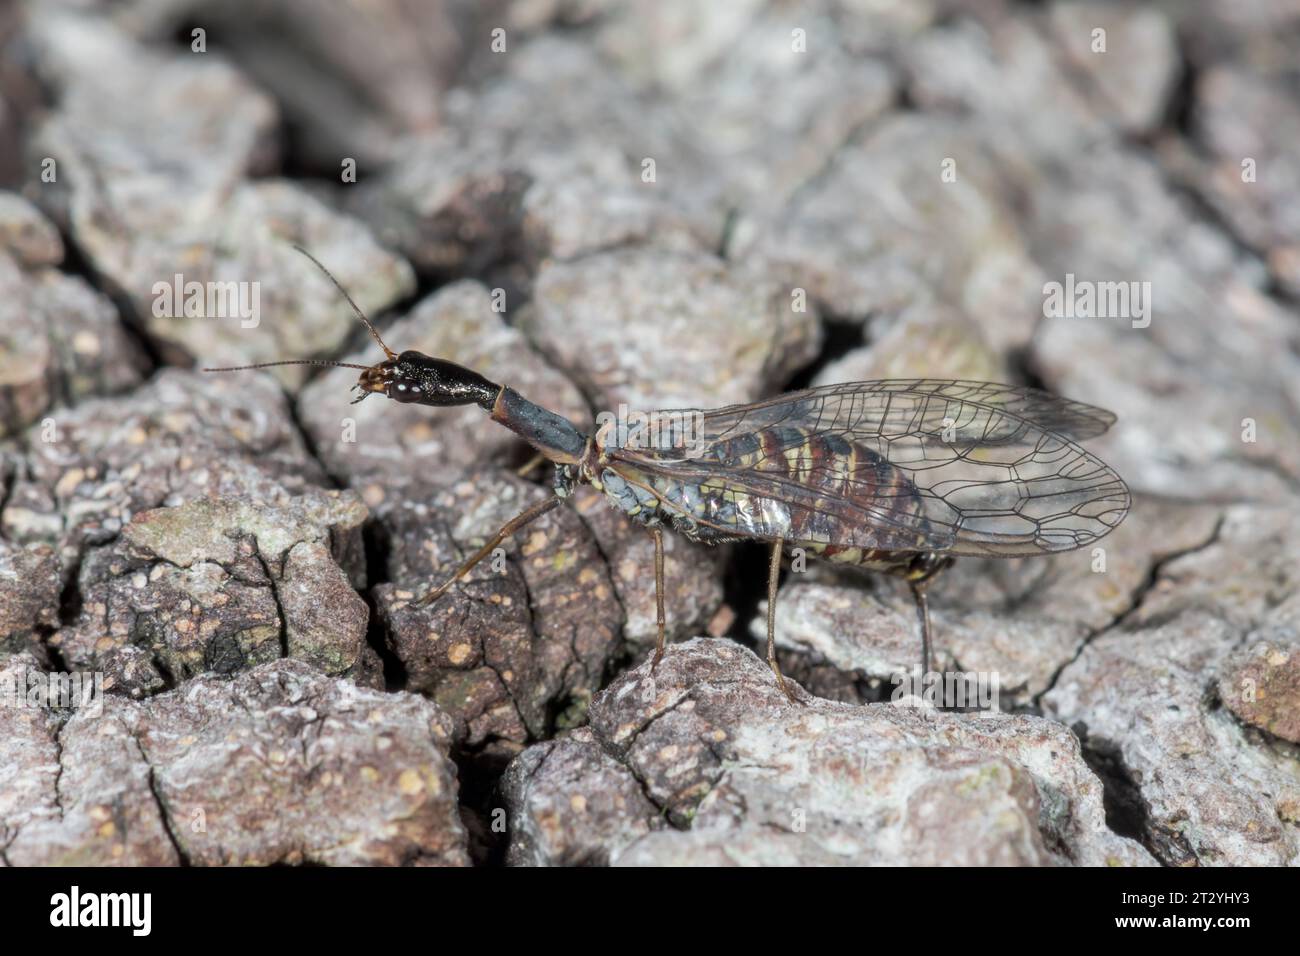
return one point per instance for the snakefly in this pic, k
(897, 476)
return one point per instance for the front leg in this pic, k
(510, 527)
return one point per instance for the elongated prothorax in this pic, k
(553, 435)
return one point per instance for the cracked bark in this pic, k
(100, 265)
(1134, 606)
(164, 813)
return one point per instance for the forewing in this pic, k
(1065, 417)
(961, 467)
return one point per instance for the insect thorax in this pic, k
(635, 500)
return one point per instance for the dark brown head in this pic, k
(412, 377)
(416, 378)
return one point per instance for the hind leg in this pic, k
(923, 613)
(923, 570)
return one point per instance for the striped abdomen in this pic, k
(711, 498)
(828, 466)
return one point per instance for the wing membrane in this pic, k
(962, 467)
(1065, 417)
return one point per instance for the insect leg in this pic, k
(509, 528)
(527, 468)
(658, 535)
(923, 571)
(773, 574)
(923, 612)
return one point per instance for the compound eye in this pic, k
(405, 390)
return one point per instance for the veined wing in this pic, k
(1064, 416)
(917, 465)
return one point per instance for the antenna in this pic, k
(355, 308)
(240, 368)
